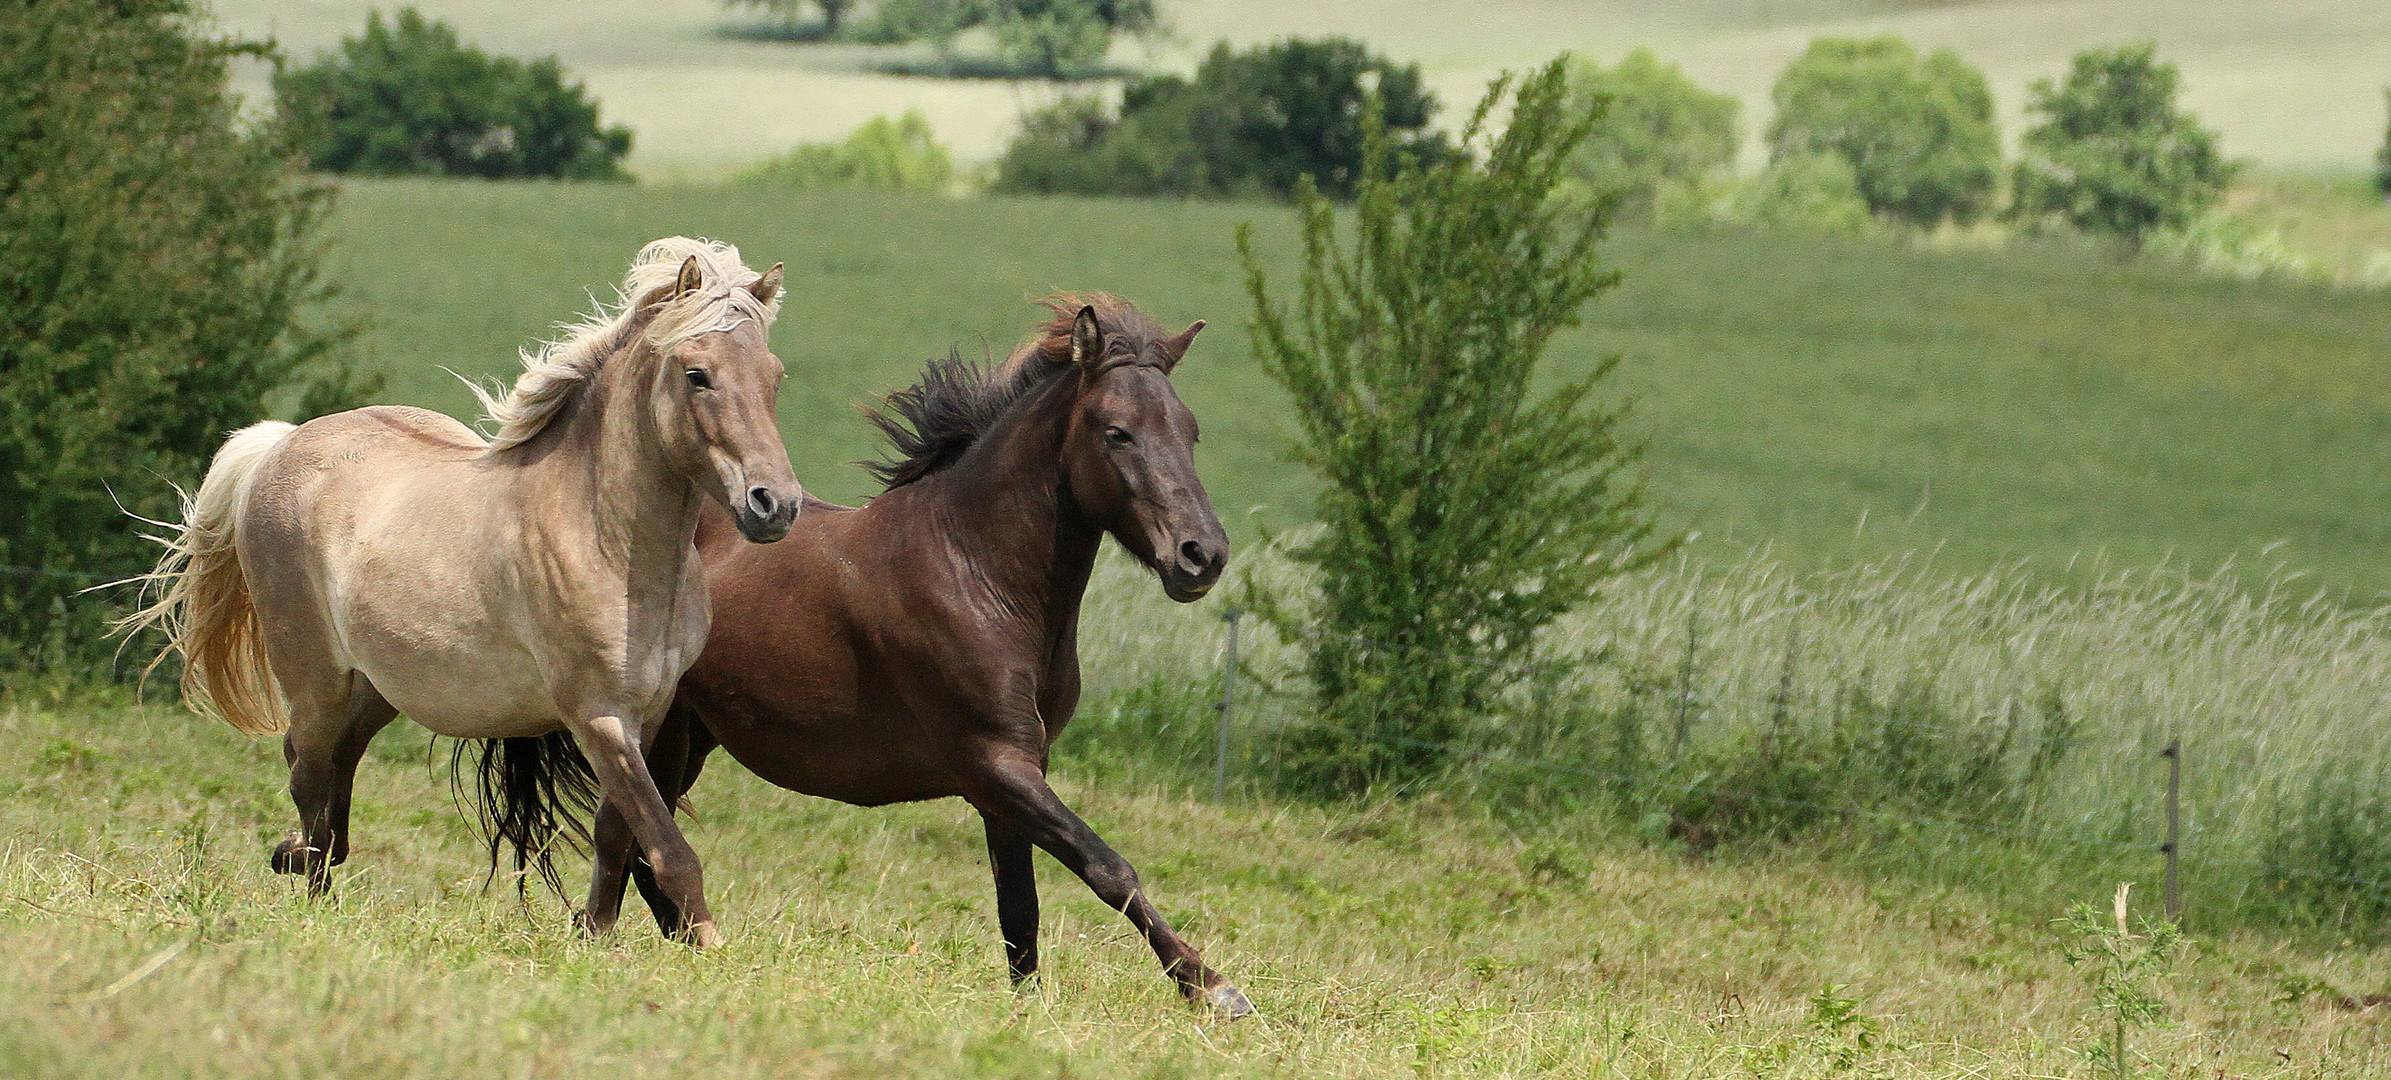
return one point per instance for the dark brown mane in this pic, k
(957, 401)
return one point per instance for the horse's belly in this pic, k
(453, 667)
(466, 694)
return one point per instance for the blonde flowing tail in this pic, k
(202, 601)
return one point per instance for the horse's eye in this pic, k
(699, 379)
(1119, 436)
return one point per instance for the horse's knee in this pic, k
(678, 873)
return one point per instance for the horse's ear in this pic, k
(768, 286)
(1175, 348)
(692, 278)
(1087, 340)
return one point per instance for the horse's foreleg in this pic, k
(686, 743)
(1020, 797)
(611, 744)
(1009, 857)
(323, 747)
(674, 757)
(609, 866)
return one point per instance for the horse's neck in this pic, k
(1006, 512)
(612, 479)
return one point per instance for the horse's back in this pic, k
(321, 471)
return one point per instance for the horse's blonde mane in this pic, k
(552, 369)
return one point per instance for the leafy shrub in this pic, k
(2112, 154)
(158, 264)
(1165, 730)
(2328, 861)
(1655, 130)
(2382, 157)
(1249, 123)
(412, 99)
(834, 12)
(2228, 246)
(1057, 39)
(883, 154)
(1801, 193)
(1918, 133)
(1464, 509)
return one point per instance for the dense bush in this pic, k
(882, 154)
(158, 260)
(1655, 130)
(1059, 39)
(410, 98)
(2112, 154)
(1464, 507)
(1249, 123)
(1918, 132)
(834, 12)
(2382, 157)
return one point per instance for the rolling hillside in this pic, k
(1833, 399)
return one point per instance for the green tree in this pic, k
(1465, 503)
(1919, 133)
(834, 12)
(409, 98)
(2112, 153)
(884, 154)
(158, 271)
(1057, 39)
(1655, 130)
(1249, 123)
(2382, 157)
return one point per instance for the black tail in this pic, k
(529, 793)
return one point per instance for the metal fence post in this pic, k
(1227, 705)
(2174, 756)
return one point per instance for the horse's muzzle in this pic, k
(764, 515)
(1189, 571)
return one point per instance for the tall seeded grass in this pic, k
(1987, 728)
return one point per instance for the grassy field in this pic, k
(1835, 400)
(1988, 421)
(141, 935)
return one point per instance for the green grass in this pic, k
(141, 935)
(1835, 400)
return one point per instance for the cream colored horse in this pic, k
(389, 560)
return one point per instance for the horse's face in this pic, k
(1129, 455)
(714, 397)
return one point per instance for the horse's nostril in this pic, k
(1193, 552)
(763, 502)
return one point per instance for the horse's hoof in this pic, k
(291, 856)
(1228, 1002)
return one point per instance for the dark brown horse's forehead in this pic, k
(1139, 390)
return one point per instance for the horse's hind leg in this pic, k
(328, 736)
(1019, 800)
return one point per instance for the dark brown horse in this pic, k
(926, 645)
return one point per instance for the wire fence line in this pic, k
(1276, 716)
